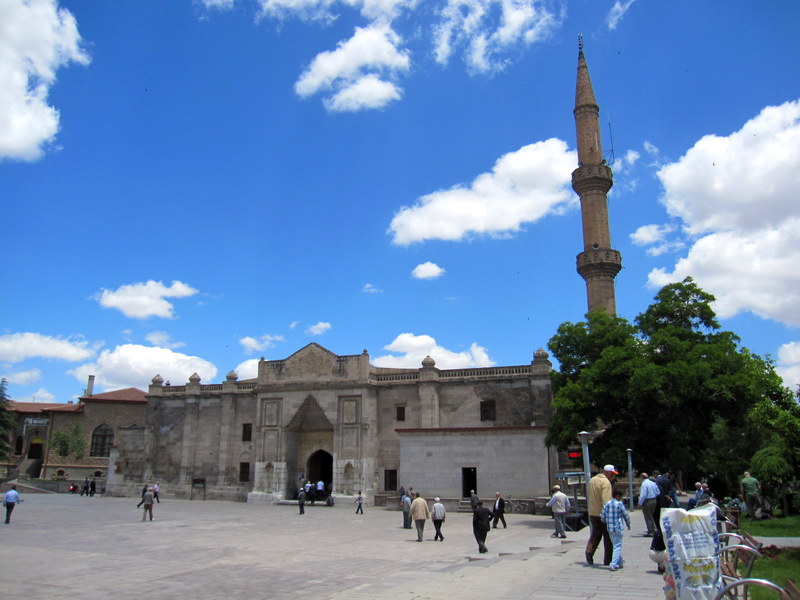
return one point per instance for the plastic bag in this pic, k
(692, 544)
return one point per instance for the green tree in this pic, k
(69, 441)
(673, 387)
(7, 421)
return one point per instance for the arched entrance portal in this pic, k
(320, 466)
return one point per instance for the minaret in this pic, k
(598, 264)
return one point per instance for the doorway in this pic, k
(469, 481)
(320, 467)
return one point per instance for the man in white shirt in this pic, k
(648, 493)
(10, 500)
(560, 505)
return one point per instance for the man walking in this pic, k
(648, 492)
(599, 494)
(10, 500)
(473, 500)
(499, 510)
(481, 523)
(438, 515)
(301, 500)
(419, 514)
(405, 502)
(560, 505)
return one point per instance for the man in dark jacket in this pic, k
(481, 523)
(499, 510)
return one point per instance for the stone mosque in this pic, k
(337, 418)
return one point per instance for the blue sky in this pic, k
(190, 185)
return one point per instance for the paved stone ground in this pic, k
(66, 547)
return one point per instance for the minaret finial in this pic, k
(580, 43)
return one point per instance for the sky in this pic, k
(188, 186)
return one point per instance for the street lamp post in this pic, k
(584, 437)
(630, 480)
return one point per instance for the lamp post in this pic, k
(584, 437)
(630, 480)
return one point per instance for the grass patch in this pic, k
(783, 527)
(784, 566)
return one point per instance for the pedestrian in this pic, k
(147, 499)
(438, 516)
(481, 523)
(473, 500)
(156, 489)
(92, 487)
(85, 488)
(560, 505)
(499, 510)
(648, 493)
(405, 503)
(144, 491)
(750, 489)
(309, 490)
(10, 501)
(320, 490)
(359, 503)
(616, 518)
(301, 500)
(401, 491)
(599, 494)
(419, 514)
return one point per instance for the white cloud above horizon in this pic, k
(427, 270)
(319, 328)
(788, 364)
(414, 348)
(262, 342)
(133, 365)
(617, 12)
(16, 347)
(22, 377)
(38, 38)
(40, 395)
(146, 299)
(735, 199)
(523, 186)
(362, 72)
(163, 340)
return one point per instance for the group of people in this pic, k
(312, 492)
(89, 487)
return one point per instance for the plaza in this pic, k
(63, 546)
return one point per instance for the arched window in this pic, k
(102, 439)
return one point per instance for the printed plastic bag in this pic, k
(692, 545)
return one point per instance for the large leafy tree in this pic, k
(673, 387)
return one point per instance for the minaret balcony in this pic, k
(587, 178)
(600, 262)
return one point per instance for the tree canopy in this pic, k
(674, 387)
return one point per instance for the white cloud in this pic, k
(655, 236)
(523, 186)
(352, 70)
(16, 347)
(414, 348)
(132, 365)
(145, 300)
(162, 340)
(427, 270)
(736, 195)
(488, 29)
(319, 328)
(23, 377)
(371, 289)
(36, 39)
(294, 324)
(617, 12)
(40, 395)
(251, 344)
(788, 364)
(247, 369)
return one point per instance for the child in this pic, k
(614, 515)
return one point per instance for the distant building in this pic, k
(321, 416)
(98, 418)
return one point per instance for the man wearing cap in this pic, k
(599, 494)
(438, 515)
(559, 504)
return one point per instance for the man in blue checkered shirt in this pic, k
(616, 518)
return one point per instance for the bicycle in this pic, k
(520, 506)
